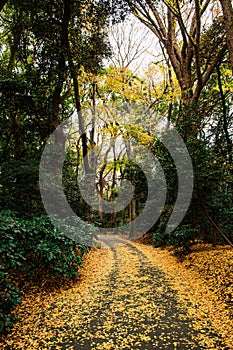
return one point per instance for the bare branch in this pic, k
(129, 42)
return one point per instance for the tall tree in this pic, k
(179, 26)
(228, 19)
(43, 46)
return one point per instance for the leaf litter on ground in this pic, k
(115, 286)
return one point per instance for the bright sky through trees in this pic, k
(134, 46)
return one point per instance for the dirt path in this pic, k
(130, 305)
(134, 307)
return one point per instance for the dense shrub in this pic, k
(19, 186)
(220, 206)
(31, 247)
(182, 237)
(9, 299)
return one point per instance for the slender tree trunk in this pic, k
(80, 116)
(228, 19)
(100, 190)
(93, 122)
(66, 53)
(77, 161)
(225, 123)
(61, 71)
(132, 217)
(54, 120)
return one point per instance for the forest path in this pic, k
(124, 299)
(134, 307)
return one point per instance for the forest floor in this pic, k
(132, 296)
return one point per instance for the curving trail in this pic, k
(129, 304)
(133, 307)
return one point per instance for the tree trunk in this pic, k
(228, 19)
(2, 4)
(132, 217)
(80, 116)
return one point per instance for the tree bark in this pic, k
(74, 77)
(61, 69)
(228, 19)
(181, 42)
(82, 130)
(225, 122)
(2, 4)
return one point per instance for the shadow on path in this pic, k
(134, 307)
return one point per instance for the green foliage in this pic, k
(19, 180)
(33, 247)
(169, 169)
(221, 207)
(44, 46)
(182, 237)
(9, 299)
(39, 43)
(35, 244)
